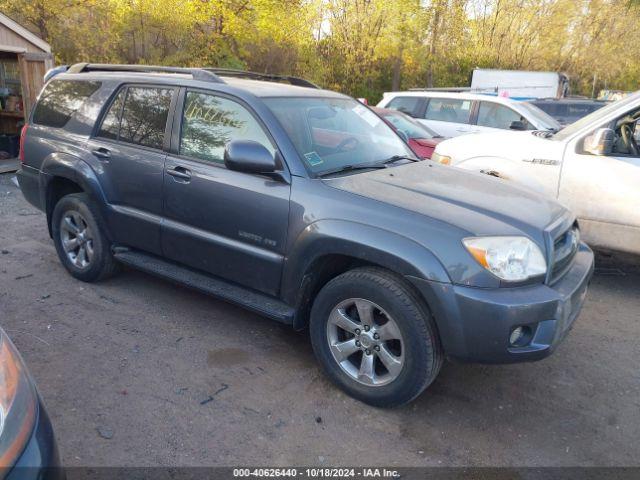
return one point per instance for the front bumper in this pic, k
(39, 460)
(475, 323)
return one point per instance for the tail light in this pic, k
(23, 134)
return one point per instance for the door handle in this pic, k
(102, 153)
(180, 173)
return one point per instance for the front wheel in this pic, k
(374, 337)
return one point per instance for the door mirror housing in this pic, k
(403, 135)
(249, 156)
(599, 142)
(517, 125)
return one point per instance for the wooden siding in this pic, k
(8, 38)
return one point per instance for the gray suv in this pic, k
(301, 204)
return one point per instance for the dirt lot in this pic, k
(136, 371)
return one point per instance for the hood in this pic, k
(473, 202)
(505, 144)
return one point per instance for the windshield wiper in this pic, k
(348, 168)
(397, 158)
(368, 165)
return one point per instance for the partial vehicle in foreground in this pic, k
(421, 139)
(454, 113)
(303, 205)
(568, 110)
(27, 445)
(592, 167)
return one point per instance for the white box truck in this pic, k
(520, 84)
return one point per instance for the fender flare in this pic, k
(73, 168)
(373, 245)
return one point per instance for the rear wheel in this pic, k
(82, 246)
(374, 337)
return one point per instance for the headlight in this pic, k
(17, 403)
(443, 159)
(509, 258)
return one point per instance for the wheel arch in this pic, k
(329, 248)
(64, 174)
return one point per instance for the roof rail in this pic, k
(231, 72)
(441, 89)
(205, 75)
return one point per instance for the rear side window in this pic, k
(60, 99)
(210, 122)
(495, 115)
(138, 115)
(144, 117)
(407, 105)
(448, 110)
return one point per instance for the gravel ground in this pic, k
(138, 372)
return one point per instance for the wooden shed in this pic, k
(24, 59)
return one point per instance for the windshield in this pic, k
(542, 120)
(409, 126)
(335, 133)
(594, 119)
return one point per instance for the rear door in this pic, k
(128, 144)
(227, 223)
(449, 117)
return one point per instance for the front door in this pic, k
(227, 223)
(128, 148)
(604, 193)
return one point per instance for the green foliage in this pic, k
(360, 47)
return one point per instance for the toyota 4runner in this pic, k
(301, 204)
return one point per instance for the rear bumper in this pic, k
(29, 181)
(475, 323)
(39, 460)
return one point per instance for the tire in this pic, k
(82, 224)
(416, 358)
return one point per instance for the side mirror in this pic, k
(249, 156)
(599, 142)
(517, 125)
(403, 135)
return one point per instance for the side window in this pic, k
(111, 122)
(495, 115)
(406, 105)
(448, 110)
(60, 100)
(144, 117)
(209, 122)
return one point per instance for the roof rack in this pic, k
(231, 72)
(201, 74)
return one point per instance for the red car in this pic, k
(420, 138)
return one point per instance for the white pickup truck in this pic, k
(592, 166)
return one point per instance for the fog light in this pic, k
(516, 337)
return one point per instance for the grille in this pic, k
(564, 249)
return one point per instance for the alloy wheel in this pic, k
(77, 239)
(366, 342)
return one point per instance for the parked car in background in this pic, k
(302, 205)
(452, 114)
(592, 167)
(568, 110)
(27, 445)
(420, 138)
